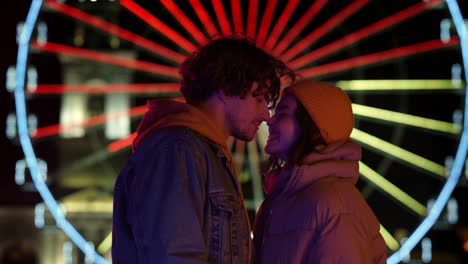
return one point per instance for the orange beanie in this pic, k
(328, 106)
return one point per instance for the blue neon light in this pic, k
(62, 222)
(21, 64)
(457, 167)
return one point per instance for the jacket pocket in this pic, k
(224, 227)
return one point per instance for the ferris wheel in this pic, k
(403, 64)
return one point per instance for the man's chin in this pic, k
(245, 137)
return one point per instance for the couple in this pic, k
(178, 198)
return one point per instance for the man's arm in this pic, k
(168, 197)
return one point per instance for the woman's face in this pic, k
(284, 129)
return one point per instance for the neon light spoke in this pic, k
(107, 58)
(299, 26)
(158, 25)
(252, 18)
(376, 57)
(391, 242)
(239, 155)
(136, 88)
(237, 17)
(254, 161)
(266, 22)
(222, 18)
(186, 23)
(363, 33)
(116, 30)
(204, 17)
(106, 244)
(391, 189)
(89, 160)
(322, 30)
(89, 122)
(82, 204)
(262, 135)
(281, 24)
(399, 85)
(406, 119)
(121, 143)
(398, 153)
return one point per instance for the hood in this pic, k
(165, 113)
(340, 159)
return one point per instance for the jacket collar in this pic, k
(340, 159)
(165, 113)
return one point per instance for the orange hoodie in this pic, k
(165, 113)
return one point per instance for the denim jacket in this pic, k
(177, 201)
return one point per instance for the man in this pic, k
(178, 199)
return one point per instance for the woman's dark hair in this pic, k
(304, 145)
(232, 64)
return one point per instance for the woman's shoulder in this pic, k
(328, 195)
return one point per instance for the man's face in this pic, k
(245, 115)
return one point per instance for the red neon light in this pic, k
(266, 22)
(376, 57)
(280, 26)
(222, 18)
(89, 122)
(107, 58)
(237, 16)
(127, 141)
(323, 29)
(299, 26)
(158, 25)
(121, 143)
(115, 30)
(252, 18)
(185, 21)
(95, 120)
(106, 88)
(204, 17)
(363, 33)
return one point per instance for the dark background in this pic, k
(445, 239)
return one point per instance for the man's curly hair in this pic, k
(232, 64)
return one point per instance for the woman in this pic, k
(313, 213)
